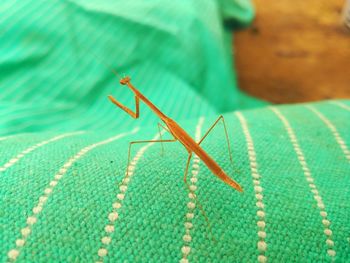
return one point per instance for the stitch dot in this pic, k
(13, 254)
(187, 238)
(20, 242)
(79, 154)
(31, 220)
(37, 209)
(189, 215)
(188, 225)
(25, 231)
(120, 196)
(191, 195)
(323, 213)
(48, 191)
(330, 242)
(303, 163)
(308, 174)
(314, 191)
(13, 161)
(123, 188)
(106, 240)
(58, 176)
(7, 165)
(328, 232)
(318, 198)
(253, 168)
(113, 216)
(109, 228)
(256, 182)
(312, 185)
(42, 199)
(117, 205)
(258, 188)
(193, 187)
(68, 164)
(194, 172)
(262, 245)
(310, 179)
(262, 234)
(320, 205)
(191, 205)
(102, 252)
(126, 180)
(259, 196)
(184, 260)
(2, 169)
(326, 222)
(53, 183)
(255, 173)
(261, 224)
(259, 204)
(262, 259)
(331, 252)
(252, 158)
(62, 170)
(186, 250)
(194, 180)
(20, 155)
(260, 214)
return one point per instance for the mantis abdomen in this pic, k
(193, 147)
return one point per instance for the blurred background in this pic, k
(53, 57)
(295, 51)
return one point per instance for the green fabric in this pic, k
(53, 55)
(63, 193)
(150, 226)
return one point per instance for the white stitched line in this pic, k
(32, 219)
(334, 130)
(325, 221)
(3, 138)
(340, 104)
(118, 203)
(19, 156)
(262, 246)
(191, 205)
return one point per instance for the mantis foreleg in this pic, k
(135, 115)
(148, 141)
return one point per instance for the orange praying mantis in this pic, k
(178, 134)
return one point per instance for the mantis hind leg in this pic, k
(137, 142)
(160, 135)
(194, 196)
(226, 134)
(187, 165)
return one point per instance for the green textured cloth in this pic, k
(64, 196)
(287, 213)
(53, 55)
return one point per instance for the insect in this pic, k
(178, 134)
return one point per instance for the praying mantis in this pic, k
(179, 134)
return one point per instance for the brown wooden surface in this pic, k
(296, 51)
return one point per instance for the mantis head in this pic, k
(125, 80)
